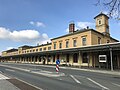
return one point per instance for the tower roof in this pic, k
(101, 15)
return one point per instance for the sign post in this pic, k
(57, 65)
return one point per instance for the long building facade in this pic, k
(80, 48)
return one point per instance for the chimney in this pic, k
(87, 27)
(71, 27)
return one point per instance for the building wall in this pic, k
(104, 39)
(70, 38)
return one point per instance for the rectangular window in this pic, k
(54, 45)
(74, 43)
(83, 41)
(44, 49)
(40, 49)
(67, 44)
(99, 21)
(49, 48)
(60, 45)
(99, 40)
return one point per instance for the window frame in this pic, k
(67, 44)
(84, 42)
(54, 45)
(60, 45)
(99, 40)
(74, 43)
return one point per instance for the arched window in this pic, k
(75, 58)
(85, 58)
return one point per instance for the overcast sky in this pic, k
(28, 22)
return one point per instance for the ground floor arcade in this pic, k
(81, 57)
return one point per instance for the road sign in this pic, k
(102, 58)
(58, 62)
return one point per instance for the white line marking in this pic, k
(80, 76)
(10, 70)
(98, 84)
(29, 84)
(3, 77)
(75, 79)
(46, 71)
(116, 84)
(49, 74)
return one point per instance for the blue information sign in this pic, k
(58, 62)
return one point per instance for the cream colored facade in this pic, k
(75, 39)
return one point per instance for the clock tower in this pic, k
(102, 24)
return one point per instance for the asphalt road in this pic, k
(69, 80)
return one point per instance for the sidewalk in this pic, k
(7, 83)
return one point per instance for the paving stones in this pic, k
(7, 83)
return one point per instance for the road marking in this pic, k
(80, 76)
(116, 84)
(49, 74)
(46, 71)
(3, 77)
(29, 84)
(75, 79)
(10, 70)
(98, 84)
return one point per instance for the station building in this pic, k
(80, 48)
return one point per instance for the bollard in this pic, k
(57, 68)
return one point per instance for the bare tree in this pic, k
(112, 6)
